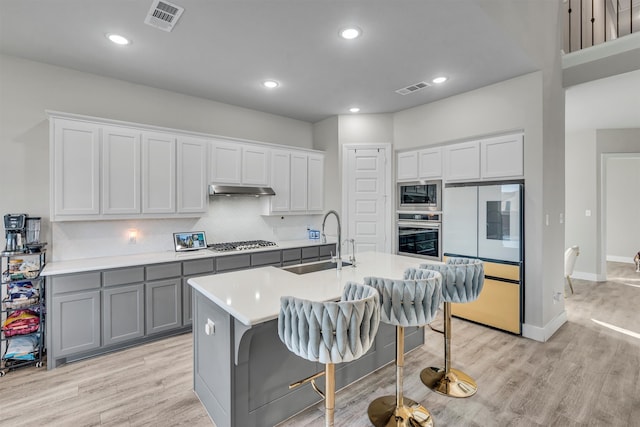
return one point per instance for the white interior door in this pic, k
(368, 221)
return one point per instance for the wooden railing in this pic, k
(591, 22)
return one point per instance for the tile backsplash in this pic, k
(228, 219)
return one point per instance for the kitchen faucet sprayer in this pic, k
(339, 245)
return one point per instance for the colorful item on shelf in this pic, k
(21, 322)
(20, 295)
(22, 347)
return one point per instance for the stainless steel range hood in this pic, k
(237, 190)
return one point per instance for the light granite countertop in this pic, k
(119, 261)
(253, 296)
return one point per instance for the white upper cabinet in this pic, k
(237, 163)
(407, 166)
(75, 168)
(299, 182)
(158, 173)
(430, 163)
(191, 175)
(420, 164)
(255, 165)
(502, 157)
(462, 161)
(280, 181)
(297, 177)
(120, 171)
(315, 184)
(104, 170)
(225, 162)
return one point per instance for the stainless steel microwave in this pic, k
(420, 196)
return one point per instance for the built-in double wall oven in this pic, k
(419, 219)
(420, 234)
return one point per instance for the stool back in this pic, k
(331, 332)
(462, 278)
(408, 302)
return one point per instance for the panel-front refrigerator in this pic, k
(486, 222)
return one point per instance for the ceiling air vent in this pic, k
(163, 15)
(413, 88)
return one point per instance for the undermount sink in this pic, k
(315, 266)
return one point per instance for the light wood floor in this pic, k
(586, 374)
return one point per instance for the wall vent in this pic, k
(163, 15)
(413, 88)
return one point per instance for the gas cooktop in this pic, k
(240, 246)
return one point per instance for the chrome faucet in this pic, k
(352, 256)
(338, 258)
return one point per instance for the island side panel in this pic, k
(262, 377)
(212, 360)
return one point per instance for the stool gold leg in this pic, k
(329, 394)
(448, 381)
(398, 411)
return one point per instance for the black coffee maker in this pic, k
(15, 228)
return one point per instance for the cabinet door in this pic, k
(120, 171)
(225, 162)
(255, 165)
(76, 168)
(187, 303)
(462, 161)
(501, 157)
(430, 163)
(122, 313)
(192, 175)
(315, 190)
(75, 323)
(407, 169)
(158, 173)
(299, 182)
(163, 305)
(280, 181)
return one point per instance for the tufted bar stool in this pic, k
(404, 303)
(462, 282)
(330, 332)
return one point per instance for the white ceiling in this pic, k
(223, 49)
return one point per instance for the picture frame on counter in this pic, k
(189, 241)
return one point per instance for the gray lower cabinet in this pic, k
(75, 323)
(122, 313)
(187, 303)
(163, 305)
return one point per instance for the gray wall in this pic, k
(29, 88)
(507, 106)
(622, 212)
(585, 153)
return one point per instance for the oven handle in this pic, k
(430, 226)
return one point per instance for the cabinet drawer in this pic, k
(122, 276)
(75, 282)
(198, 266)
(265, 258)
(164, 271)
(327, 251)
(233, 262)
(291, 255)
(312, 252)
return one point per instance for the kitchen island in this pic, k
(241, 368)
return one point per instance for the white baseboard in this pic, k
(625, 259)
(593, 277)
(543, 334)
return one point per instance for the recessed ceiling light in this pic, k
(270, 84)
(118, 39)
(354, 109)
(350, 33)
(439, 80)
